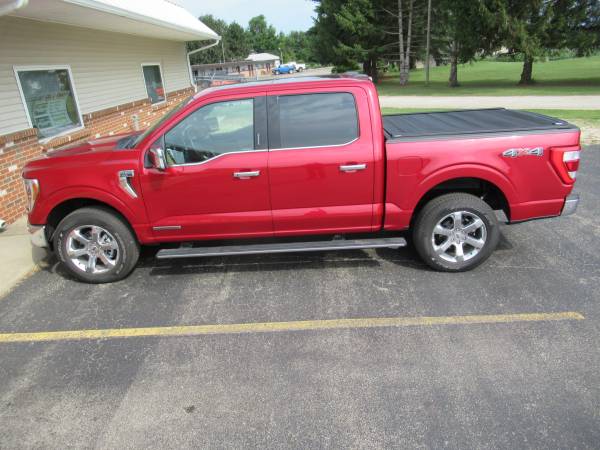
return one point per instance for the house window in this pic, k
(154, 82)
(49, 99)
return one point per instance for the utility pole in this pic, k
(428, 43)
(223, 50)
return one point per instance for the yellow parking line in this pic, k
(267, 327)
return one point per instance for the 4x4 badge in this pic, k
(515, 152)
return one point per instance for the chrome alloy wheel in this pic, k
(92, 249)
(459, 236)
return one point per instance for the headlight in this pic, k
(32, 187)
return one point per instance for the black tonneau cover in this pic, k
(477, 121)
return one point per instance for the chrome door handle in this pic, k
(253, 173)
(353, 167)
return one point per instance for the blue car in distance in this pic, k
(283, 69)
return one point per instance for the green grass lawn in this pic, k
(562, 77)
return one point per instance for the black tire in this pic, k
(127, 252)
(438, 209)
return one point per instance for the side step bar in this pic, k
(290, 247)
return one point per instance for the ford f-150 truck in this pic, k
(296, 165)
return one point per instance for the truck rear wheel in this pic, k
(456, 232)
(96, 246)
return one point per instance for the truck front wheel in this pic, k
(456, 232)
(96, 246)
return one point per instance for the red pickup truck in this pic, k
(296, 165)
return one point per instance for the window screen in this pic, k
(154, 83)
(210, 131)
(314, 120)
(50, 100)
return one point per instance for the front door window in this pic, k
(211, 131)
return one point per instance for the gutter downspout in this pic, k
(192, 81)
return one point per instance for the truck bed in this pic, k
(468, 122)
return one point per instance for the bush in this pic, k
(348, 67)
(508, 57)
(548, 55)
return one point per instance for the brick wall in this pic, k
(16, 149)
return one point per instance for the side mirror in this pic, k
(157, 158)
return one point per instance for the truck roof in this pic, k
(290, 83)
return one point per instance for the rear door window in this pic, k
(312, 120)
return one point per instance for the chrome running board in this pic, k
(290, 247)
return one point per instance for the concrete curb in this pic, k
(18, 259)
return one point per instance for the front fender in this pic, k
(45, 205)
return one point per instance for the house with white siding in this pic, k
(79, 69)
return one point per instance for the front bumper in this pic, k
(570, 205)
(38, 235)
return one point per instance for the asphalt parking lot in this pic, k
(521, 382)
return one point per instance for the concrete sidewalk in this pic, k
(473, 102)
(18, 257)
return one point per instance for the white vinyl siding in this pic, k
(106, 67)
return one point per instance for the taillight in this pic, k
(565, 161)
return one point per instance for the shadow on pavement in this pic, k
(405, 257)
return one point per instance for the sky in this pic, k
(284, 15)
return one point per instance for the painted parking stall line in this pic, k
(271, 327)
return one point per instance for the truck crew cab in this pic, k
(300, 165)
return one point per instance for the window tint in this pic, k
(313, 120)
(50, 100)
(157, 124)
(211, 131)
(154, 83)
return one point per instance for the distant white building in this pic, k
(256, 64)
(264, 58)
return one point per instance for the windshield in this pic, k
(166, 117)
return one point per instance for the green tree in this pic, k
(536, 26)
(348, 33)
(467, 28)
(263, 36)
(406, 15)
(213, 54)
(237, 42)
(297, 45)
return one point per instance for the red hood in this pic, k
(96, 145)
(82, 155)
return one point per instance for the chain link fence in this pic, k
(206, 81)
